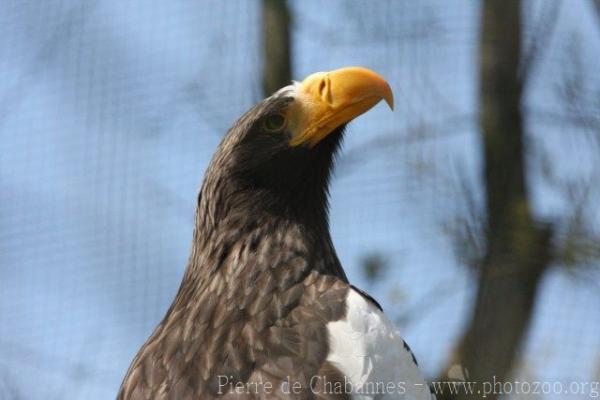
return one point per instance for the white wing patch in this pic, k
(369, 352)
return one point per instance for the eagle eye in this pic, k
(274, 123)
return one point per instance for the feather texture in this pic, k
(264, 299)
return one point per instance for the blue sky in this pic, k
(111, 111)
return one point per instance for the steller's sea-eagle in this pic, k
(265, 310)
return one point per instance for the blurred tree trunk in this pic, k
(518, 250)
(277, 69)
(596, 4)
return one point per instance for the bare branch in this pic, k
(77, 15)
(596, 5)
(540, 40)
(420, 133)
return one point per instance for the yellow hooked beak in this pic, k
(326, 100)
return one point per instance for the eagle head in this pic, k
(278, 155)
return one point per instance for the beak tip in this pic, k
(390, 101)
(388, 95)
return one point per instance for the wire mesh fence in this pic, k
(110, 111)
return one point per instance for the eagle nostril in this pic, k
(324, 90)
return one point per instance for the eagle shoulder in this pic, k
(368, 350)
